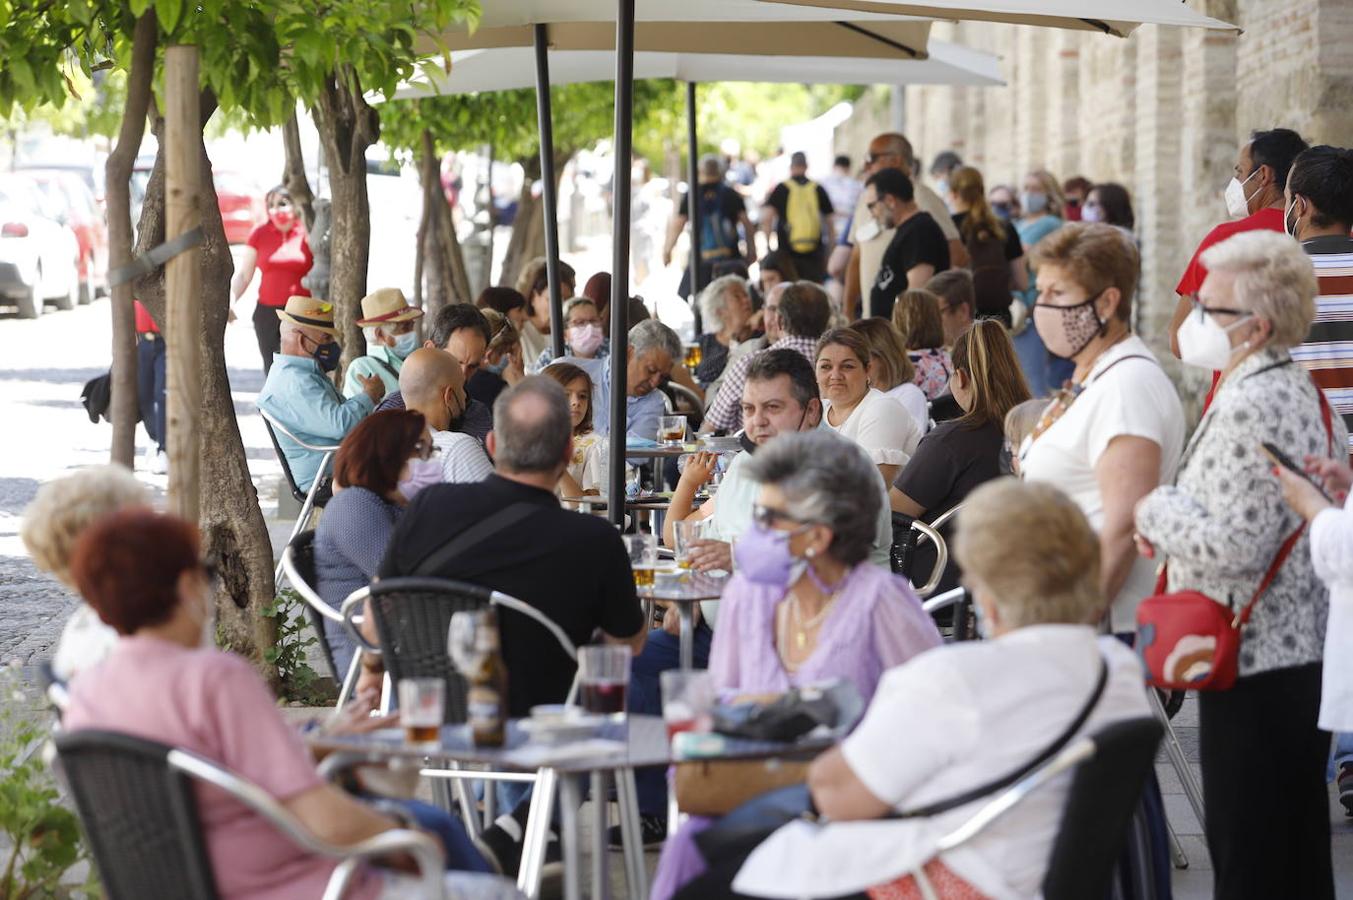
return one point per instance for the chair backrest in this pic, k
(1104, 795)
(298, 563)
(139, 814)
(413, 618)
(282, 458)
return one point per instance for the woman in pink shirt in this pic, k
(164, 681)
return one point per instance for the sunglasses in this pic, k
(767, 516)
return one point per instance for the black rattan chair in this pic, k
(136, 801)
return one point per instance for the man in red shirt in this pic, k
(1254, 199)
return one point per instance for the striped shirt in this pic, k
(1328, 350)
(463, 457)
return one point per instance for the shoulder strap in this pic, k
(394, 373)
(1006, 781)
(473, 536)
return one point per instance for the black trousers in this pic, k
(268, 330)
(150, 386)
(1264, 794)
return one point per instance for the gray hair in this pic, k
(827, 480)
(370, 332)
(714, 299)
(1274, 280)
(532, 426)
(651, 334)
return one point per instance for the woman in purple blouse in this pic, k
(806, 604)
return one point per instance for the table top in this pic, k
(699, 586)
(638, 742)
(658, 501)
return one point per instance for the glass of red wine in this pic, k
(604, 676)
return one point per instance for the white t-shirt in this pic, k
(943, 723)
(871, 251)
(887, 433)
(1134, 398)
(913, 401)
(463, 458)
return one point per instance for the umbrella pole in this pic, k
(620, 263)
(693, 200)
(548, 194)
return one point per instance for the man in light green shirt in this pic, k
(390, 326)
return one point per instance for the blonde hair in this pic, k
(885, 344)
(1097, 257)
(64, 508)
(965, 183)
(1274, 280)
(1056, 199)
(916, 316)
(1021, 421)
(502, 336)
(985, 354)
(1031, 546)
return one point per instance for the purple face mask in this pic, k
(762, 555)
(422, 473)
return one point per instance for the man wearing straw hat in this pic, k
(390, 326)
(299, 394)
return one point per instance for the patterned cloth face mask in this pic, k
(1067, 330)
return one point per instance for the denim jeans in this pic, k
(461, 854)
(661, 653)
(150, 387)
(1341, 754)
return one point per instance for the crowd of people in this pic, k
(953, 352)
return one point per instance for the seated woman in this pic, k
(916, 316)
(963, 453)
(726, 309)
(378, 469)
(60, 512)
(583, 336)
(805, 603)
(163, 681)
(581, 477)
(954, 718)
(502, 360)
(890, 368)
(855, 409)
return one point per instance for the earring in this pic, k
(810, 552)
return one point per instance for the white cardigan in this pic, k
(1332, 554)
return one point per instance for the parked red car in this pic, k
(241, 204)
(74, 202)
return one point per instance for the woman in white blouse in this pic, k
(855, 409)
(1118, 431)
(954, 717)
(890, 368)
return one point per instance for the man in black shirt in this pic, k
(799, 211)
(918, 249)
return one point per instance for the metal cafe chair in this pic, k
(319, 491)
(298, 564)
(136, 801)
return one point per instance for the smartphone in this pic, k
(1275, 453)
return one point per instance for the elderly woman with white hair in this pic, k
(726, 308)
(1220, 527)
(52, 523)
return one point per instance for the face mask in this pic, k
(282, 218)
(496, 368)
(868, 230)
(457, 417)
(1237, 204)
(1033, 201)
(762, 556)
(422, 473)
(405, 344)
(980, 619)
(584, 339)
(1092, 213)
(1206, 344)
(1067, 330)
(942, 188)
(1289, 225)
(327, 355)
(1002, 210)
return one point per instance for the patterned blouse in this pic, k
(1222, 522)
(933, 368)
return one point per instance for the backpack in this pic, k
(803, 216)
(718, 236)
(990, 274)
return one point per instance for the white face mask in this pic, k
(1237, 203)
(868, 230)
(1206, 344)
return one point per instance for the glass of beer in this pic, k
(672, 430)
(694, 356)
(422, 709)
(643, 552)
(687, 697)
(686, 533)
(604, 677)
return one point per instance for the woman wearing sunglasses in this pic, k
(1117, 430)
(806, 605)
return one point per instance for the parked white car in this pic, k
(39, 257)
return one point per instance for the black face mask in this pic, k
(457, 419)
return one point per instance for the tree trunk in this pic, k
(528, 228)
(442, 264)
(125, 409)
(347, 127)
(293, 173)
(233, 529)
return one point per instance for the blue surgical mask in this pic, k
(328, 355)
(496, 368)
(405, 344)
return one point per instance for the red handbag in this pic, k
(1187, 640)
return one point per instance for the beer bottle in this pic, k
(487, 697)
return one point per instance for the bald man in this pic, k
(889, 151)
(433, 383)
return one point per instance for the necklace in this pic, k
(794, 622)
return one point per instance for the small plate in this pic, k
(559, 724)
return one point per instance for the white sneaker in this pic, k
(159, 465)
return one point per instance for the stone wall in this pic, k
(1161, 112)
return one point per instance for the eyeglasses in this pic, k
(766, 516)
(426, 450)
(873, 203)
(1196, 305)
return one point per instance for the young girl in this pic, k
(582, 476)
